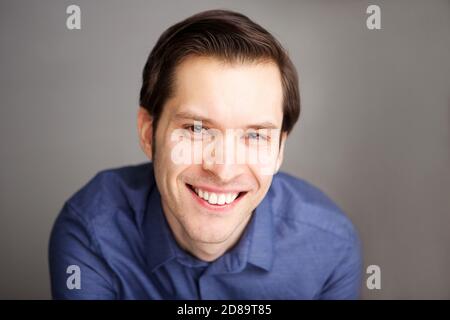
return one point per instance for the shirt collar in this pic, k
(262, 238)
(255, 245)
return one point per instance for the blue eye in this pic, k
(197, 128)
(253, 135)
(256, 136)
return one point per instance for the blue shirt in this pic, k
(297, 245)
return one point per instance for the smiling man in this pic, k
(223, 223)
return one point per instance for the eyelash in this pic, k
(260, 136)
(190, 127)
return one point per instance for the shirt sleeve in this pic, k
(345, 281)
(77, 269)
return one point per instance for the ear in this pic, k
(145, 131)
(281, 153)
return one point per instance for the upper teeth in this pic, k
(216, 198)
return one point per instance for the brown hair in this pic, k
(227, 35)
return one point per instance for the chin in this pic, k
(202, 227)
(211, 239)
(211, 235)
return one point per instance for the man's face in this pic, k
(210, 202)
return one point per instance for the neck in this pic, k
(205, 251)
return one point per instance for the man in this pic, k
(195, 223)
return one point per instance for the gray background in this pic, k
(374, 132)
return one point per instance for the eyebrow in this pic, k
(192, 116)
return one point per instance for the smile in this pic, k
(216, 199)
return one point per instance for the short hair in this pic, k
(223, 34)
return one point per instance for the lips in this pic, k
(216, 198)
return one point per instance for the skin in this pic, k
(224, 96)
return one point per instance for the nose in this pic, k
(224, 172)
(219, 159)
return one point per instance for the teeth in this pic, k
(212, 198)
(216, 198)
(221, 199)
(230, 197)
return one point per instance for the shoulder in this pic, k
(124, 188)
(302, 205)
(93, 230)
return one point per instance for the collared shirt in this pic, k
(111, 240)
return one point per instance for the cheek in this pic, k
(176, 147)
(167, 173)
(263, 173)
(262, 178)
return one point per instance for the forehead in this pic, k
(232, 94)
